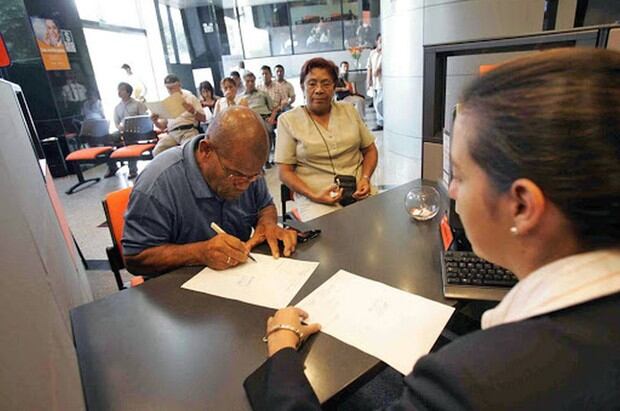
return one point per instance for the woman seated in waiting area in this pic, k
(347, 91)
(323, 141)
(229, 89)
(207, 96)
(536, 179)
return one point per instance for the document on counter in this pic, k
(267, 282)
(393, 325)
(170, 107)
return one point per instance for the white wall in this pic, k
(408, 25)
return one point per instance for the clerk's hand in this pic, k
(272, 233)
(224, 251)
(363, 189)
(330, 196)
(285, 338)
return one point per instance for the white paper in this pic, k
(268, 282)
(169, 108)
(393, 325)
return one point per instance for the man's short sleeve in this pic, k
(262, 197)
(147, 224)
(286, 146)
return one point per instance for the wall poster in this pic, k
(50, 44)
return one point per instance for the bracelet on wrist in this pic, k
(286, 327)
(366, 177)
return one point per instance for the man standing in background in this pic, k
(374, 81)
(139, 89)
(285, 85)
(272, 89)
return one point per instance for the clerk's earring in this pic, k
(513, 230)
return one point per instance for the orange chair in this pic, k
(114, 206)
(96, 134)
(139, 139)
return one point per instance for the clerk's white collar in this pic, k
(560, 284)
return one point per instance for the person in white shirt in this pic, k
(127, 107)
(139, 88)
(374, 81)
(286, 85)
(231, 97)
(239, 86)
(181, 129)
(92, 108)
(273, 89)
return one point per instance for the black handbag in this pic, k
(348, 184)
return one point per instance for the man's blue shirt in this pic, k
(171, 203)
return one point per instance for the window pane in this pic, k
(255, 38)
(165, 26)
(117, 12)
(317, 25)
(179, 33)
(232, 31)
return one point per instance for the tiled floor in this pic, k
(85, 213)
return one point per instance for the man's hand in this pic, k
(272, 233)
(224, 251)
(363, 189)
(330, 196)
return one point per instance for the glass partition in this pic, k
(297, 27)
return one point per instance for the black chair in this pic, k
(286, 194)
(139, 139)
(95, 134)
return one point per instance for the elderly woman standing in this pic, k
(322, 141)
(536, 179)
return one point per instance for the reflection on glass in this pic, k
(165, 26)
(298, 26)
(179, 34)
(255, 37)
(317, 25)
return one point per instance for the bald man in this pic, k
(213, 179)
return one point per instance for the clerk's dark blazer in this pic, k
(565, 360)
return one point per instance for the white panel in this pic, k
(476, 19)
(403, 105)
(402, 43)
(40, 281)
(395, 7)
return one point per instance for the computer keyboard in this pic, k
(467, 276)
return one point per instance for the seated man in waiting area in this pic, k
(217, 178)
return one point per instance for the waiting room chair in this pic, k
(286, 195)
(114, 206)
(96, 134)
(139, 139)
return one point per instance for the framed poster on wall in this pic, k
(49, 41)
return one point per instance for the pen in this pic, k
(219, 230)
